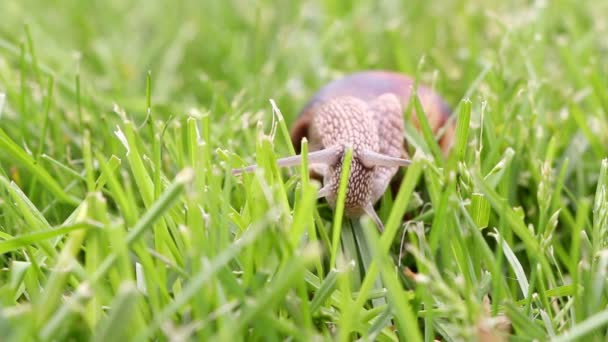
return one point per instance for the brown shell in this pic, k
(367, 86)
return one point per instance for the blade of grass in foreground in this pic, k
(346, 322)
(462, 134)
(523, 324)
(22, 241)
(276, 291)
(427, 132)
(344, 178)
(402, 311)
(588, 326)
(393, 224)
(600, 211)
(114, 327)
(158, 208)
(198, 280)
(325, 290)
(16, 152)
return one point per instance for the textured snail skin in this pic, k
(365, 110)
(374, 126)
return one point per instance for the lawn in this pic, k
(120, 122)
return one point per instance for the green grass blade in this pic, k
(18, 154)
(22, 241)
(339, 212)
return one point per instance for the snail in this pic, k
(362, 111)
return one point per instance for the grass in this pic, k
(120, 219)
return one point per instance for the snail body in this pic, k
(363, 111)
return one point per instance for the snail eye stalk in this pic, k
(326, 156)
(370, 159)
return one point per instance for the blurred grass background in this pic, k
(101, 243)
